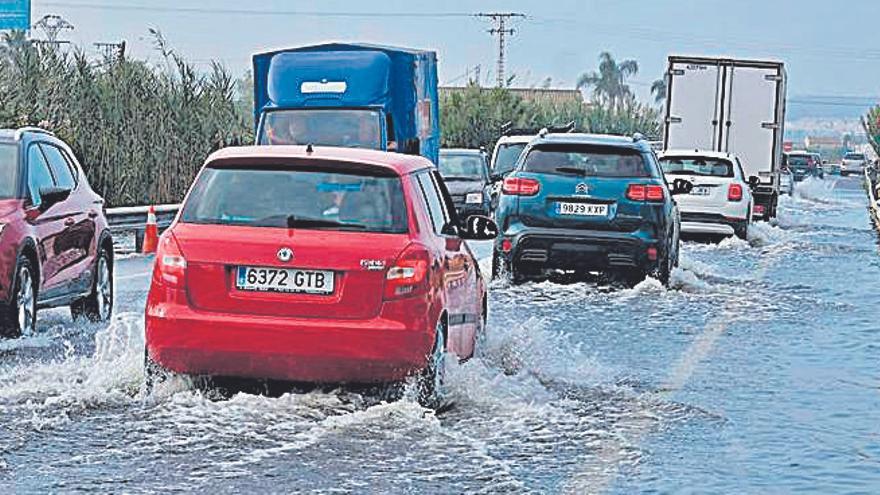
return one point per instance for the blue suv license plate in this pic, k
(581, 209)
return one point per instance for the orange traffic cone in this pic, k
(151, 233)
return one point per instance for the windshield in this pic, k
(586, 160)
(345, 128)
(708, 167)
(800, 161)
(462, 166)
(8, 170)
(297, 198)
(854, 156)
(506, 157)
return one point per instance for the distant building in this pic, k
(553, 95)
(823, 143)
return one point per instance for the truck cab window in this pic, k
(345, 128)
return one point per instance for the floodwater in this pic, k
(755, 372)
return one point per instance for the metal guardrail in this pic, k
(134, 219)
(872, 181)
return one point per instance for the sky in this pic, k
(831, 48)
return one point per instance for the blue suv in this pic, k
(587, 203)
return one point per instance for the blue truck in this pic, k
(350, 95)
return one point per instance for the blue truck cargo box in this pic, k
(396, 87)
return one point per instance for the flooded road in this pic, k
(756, 372)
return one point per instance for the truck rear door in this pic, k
(693, 106)
(751, 130)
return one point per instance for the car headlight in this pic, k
(474, 198)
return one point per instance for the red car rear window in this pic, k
(311, 199)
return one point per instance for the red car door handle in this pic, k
(69, 222)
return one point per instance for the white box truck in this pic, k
(733, 106)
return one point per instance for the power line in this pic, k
(500, 21)
(252, 12)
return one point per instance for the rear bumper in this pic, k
(710, 223)
(569, 249)
(292, 349)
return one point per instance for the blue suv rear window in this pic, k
(586, 161)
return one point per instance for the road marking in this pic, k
(134, 275)
(600, 474)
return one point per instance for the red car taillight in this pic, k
(517, 186)
(735, 192)
(645, 192)
(409, 275)
(170, 263)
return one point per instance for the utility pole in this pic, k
(499, 20)
(52, 25)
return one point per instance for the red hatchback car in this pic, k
(324, 265)
(55, 247)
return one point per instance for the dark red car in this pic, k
(55, 248)
(328, 265)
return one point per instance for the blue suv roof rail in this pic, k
(39, 130)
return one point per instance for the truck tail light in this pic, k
(519, 186)
(409, 275)
(734, 192)
(645, 192)
(170, 267)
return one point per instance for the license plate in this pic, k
(259, 279)
(582, 209)
(701, 191)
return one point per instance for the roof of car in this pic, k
(16, 134)
(718, 155)
(594, 139)
(401, 164)
(462, 151)
(516, 139)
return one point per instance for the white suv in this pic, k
(507, 151)
(721, 201)
(853, 163)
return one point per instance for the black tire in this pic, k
(19, 317)
(516, 275)
(154, 373)
(98, 306)
(741, 229)
(431, 379)
(480, 337)
(629, 277)
(664, 270)
(497, 269)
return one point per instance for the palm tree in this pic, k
(609, 83)
(658, 89)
